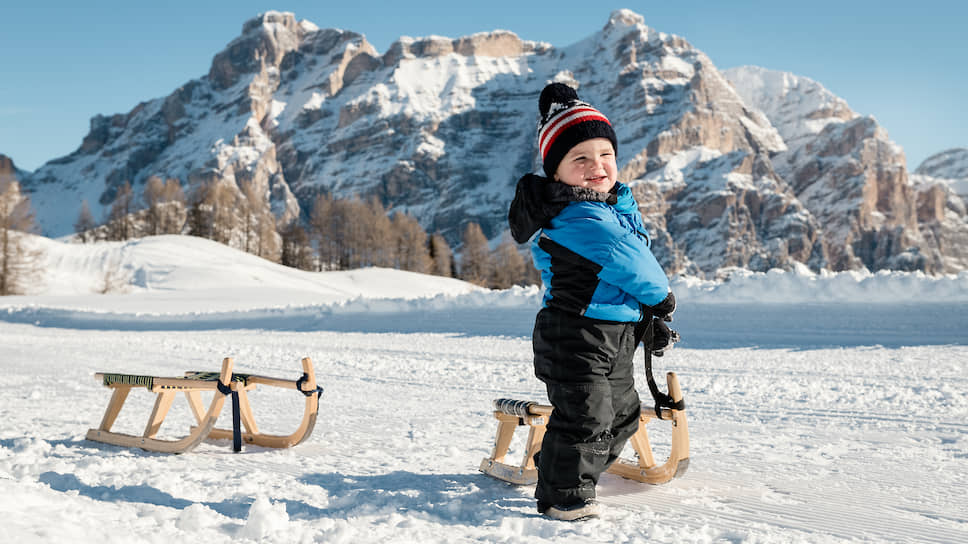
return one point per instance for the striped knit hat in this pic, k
(565, 122)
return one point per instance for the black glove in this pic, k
(663, 338)
(664, 309)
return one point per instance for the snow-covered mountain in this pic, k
(950, 166)
(941, 182)
(442, 128)
(843, 168)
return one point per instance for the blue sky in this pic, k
(64, 62)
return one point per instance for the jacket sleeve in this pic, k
(624, 257)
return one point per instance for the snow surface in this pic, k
(823, 408)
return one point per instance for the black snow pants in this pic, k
(586, 365)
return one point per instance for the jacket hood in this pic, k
(537, 200)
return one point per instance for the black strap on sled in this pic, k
(305, 378)
(236, 414)
(236, 423)
(643, 334)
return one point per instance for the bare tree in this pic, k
(296, 250)
(199, 213)
(85, 224)
(475, 265)
(222, 199)
(154, 189)
(378, 238)
(351, 223)
(120, 222)
(19, 264)
(322, 232)
(441, 256)
(508, 265)
(165, 201)
(411, 244)
(173, 218)
(212, 212)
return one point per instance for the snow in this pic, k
(822, 408)
(798, 107)
(949, 167)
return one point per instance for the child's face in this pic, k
(590, 164)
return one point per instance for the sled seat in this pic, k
(222, 383)
(511, 414)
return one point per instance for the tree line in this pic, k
(338, 234)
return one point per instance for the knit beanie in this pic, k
(565, 122)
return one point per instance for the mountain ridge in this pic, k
(442, 127)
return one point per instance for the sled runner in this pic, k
(221, 384)
(512, 414)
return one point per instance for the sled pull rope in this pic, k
(662, 400)
(299, 383)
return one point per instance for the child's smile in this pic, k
(590, 164)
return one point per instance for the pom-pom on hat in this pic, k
(566, 121)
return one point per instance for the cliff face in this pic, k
(845, 170)
(941, 183)
(442, 128)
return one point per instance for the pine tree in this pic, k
(19, 264)
(475, 265)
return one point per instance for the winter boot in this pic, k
(579, 511)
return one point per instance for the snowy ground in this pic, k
(834, 412)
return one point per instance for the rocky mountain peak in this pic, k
(950, 164)
(763, 170)
(265, 40)
(497, 43)
(622, 18)
(798, 107)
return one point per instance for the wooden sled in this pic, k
(223, 384)
(512, 414)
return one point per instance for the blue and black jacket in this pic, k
(593, 251)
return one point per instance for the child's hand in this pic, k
(663, 338)
(665, 309)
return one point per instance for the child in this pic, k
(601, 281)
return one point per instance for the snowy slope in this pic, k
(822, 408)
(797, 106)
(950, 166)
